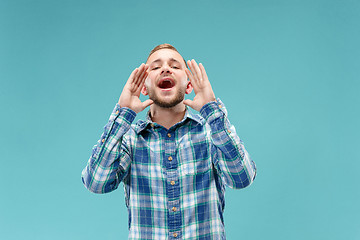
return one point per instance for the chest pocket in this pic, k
(194, 158)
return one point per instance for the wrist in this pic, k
(212, 108)
(123, 112)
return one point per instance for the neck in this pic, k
(167, 117)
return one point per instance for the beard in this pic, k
(178, 98)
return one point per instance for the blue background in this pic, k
(288, 72)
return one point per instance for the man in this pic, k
(175, 164)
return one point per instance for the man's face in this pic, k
(167, 82)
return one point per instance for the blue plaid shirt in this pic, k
(174, 179)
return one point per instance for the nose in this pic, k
(165, 69)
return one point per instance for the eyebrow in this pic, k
(159, 60)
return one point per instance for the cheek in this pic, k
(153, 74)
(149, 80)
(184, 79)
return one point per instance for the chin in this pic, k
(168, 103)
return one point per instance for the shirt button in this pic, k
(103, 140)
(170, 158)
(229, 131)
(175, 234)
(220, 106)
(172, 183)
(117, 112)
(169, 135)
(173, 209)
(152, 125)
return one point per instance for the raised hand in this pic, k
(202, 87)
(131, 92)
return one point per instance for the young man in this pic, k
(175, 164)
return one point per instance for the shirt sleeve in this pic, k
(229, 155)
(111, 156)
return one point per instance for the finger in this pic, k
(142, 71)
(142, 75)
(191, 67)
(203, 72)
(146, 73)
(137, 76)
(189, 74)
(196, 70)
(132, 75)
(192, 80)
(188, 64)
(142, 81)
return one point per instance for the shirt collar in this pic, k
(148, 123)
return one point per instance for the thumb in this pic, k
(147, 103)
(188, 102)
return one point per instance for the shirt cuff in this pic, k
(124, 113)
(213, 110)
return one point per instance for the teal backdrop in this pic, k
(287, 70)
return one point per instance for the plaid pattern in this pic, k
(174, 179)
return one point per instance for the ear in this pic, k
(144, 90)
(189, 88)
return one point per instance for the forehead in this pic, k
(165, 55)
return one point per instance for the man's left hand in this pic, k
(202, 87)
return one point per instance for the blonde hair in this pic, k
(164, 46)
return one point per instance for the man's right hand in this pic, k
(130, 95)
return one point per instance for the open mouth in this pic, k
(166, 83)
